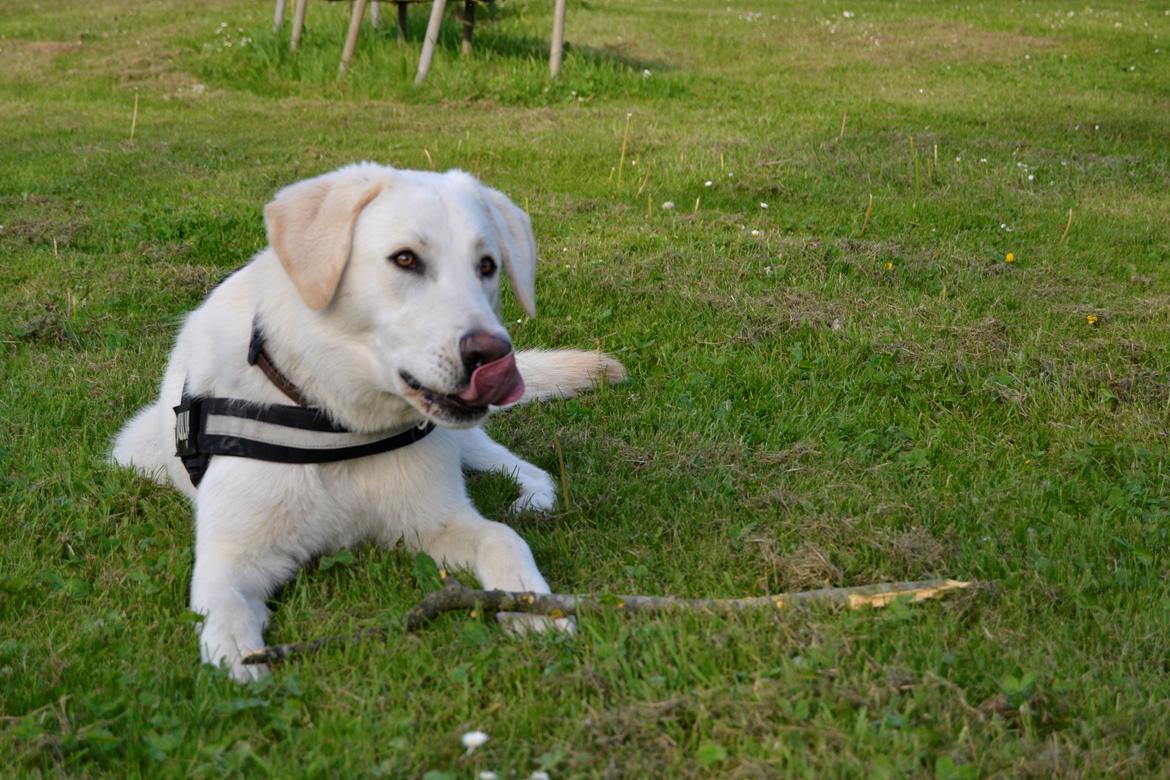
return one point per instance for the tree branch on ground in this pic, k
(456, 597)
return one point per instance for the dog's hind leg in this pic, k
(479, 453)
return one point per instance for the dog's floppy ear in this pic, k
(519, 247)
(310, 227)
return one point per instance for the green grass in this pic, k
(815, 398)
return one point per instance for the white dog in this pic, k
(375, 310)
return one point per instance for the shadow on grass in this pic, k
(488, 38)
(508, 64)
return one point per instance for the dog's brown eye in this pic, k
(487, 266)
(406, 260)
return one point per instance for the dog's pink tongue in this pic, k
(497, 383)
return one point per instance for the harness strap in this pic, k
(277, 433)
(273, 432)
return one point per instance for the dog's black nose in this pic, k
(479, 348)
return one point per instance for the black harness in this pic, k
(277, 433)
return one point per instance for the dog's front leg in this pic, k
(236, 568)
(479, 453)
(498, 556)
(234, 616)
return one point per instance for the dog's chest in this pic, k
(396, 491)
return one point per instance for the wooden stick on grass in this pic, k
(134, 118)
(914, 164)
(1067, 227)
(868, 212)
(622, 158)
(564, 474)
(455, 597)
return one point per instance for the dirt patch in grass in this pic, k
(786, 310)
(1131, 371)
(197, 280)
(986, 337)
(837, 551)
(912, 552)
(766, 314)
(44, 230)
(808, 566)
(936, 42)
(649, 735)
(26, 59)
(1144, 386)
(47, 323)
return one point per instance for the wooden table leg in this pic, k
(468, 27)
(375, 13)
(355, 27)
(401, 22)
(278, 17)
(432, 36)
(298, 25)
(557, 49)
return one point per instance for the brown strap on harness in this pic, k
(282, 382)
(258, 357)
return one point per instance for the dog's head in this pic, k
(408, 265)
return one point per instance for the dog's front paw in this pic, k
(520, 623)
(239, 671)
(222, 649)
(538, 493)
(244, 673)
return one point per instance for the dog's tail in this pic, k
(562, 373)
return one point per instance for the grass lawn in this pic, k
(892, 281)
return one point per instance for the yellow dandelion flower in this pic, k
(1010, 257)
(889, 266)
(1091, 319)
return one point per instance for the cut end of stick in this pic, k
(881, 599)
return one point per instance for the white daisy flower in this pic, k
(474, 739)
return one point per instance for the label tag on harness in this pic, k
(186, 422)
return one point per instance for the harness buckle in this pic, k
(187, 427)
